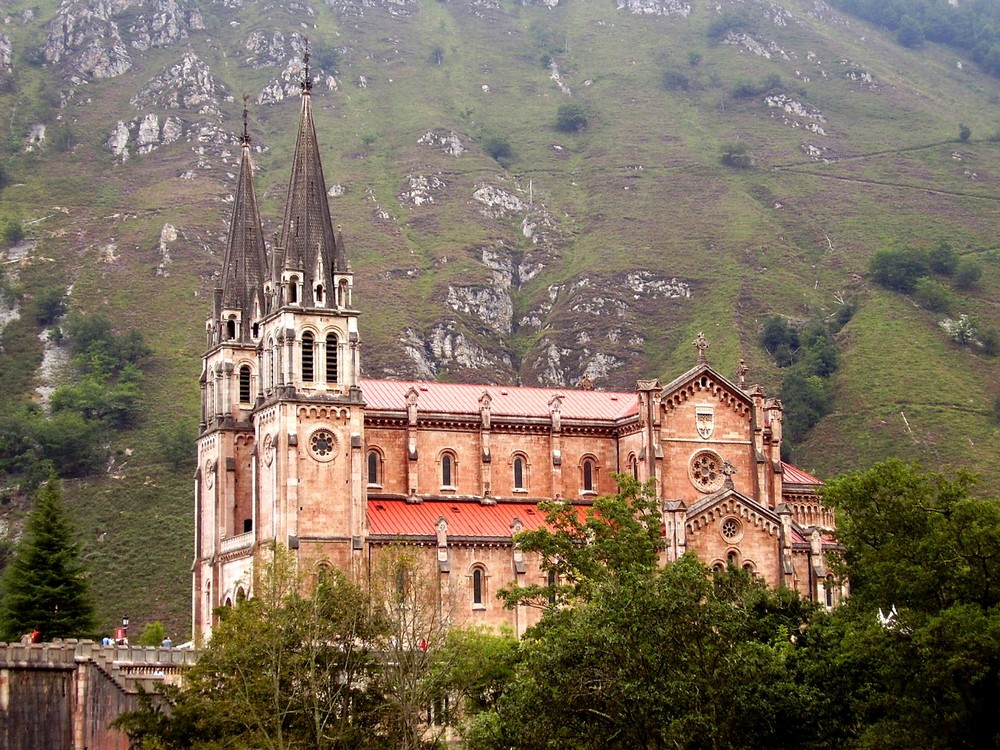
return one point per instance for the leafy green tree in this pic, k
(781, 340)
(943, 259)
(13, 232)
(898, 268)
(967, 274)
(737, 155)
(640, 655)
(932, 295)
(964, 133)
(919, 546)
(152, 634)
(45, 585)
(50, 305)
(806, 400)
(571, 118)
(283, 670)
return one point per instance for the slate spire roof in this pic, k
(307, 236)
(245, 261)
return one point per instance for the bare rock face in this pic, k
(188, 84)
(445, 349)
(543, 3)
(270, 52)
(6, 54)
(655, 7)
(447, 141)
(95, 37)
(395, 8)
(421, 189)
(288, 83)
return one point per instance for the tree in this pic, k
(898, 268)
(932, 295)
(640, 655)
(781, 340)
(13, 232)
(920, 546)
(967, 274)
(152, 634)
(282, 670)
(571, 118)
(943, 259)
(964, 133)
(736, 155)
(45, 585)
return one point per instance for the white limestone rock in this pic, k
(6, 54)
(167, 235)
(492, 305)
(117, 141)
(421, 189)
(35, 140)
(447, 141)
(655, 7)
(187, 84)
(497, 202)
(394, 8)
(444, 347)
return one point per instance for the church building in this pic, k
(297, 449)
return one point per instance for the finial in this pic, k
(585, 384)
(728, 470)
(701, 344)
(307, 83)
(741, 372)
(245, 138)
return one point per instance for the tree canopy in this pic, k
(44, 585)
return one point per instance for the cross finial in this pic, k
(245, 138)
(307, 83)
(728, 470)
(701, 344)
(741, 372)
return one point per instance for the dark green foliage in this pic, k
(922, 545)
(943, 259)
(732, 21)
(806, 399)
(175, 443)
(911, 33)
(989, 339)
(498, 147)
(899, 268)
(674, 79)
(13, 232)
(967, 274)
(571, 118)
(780, 340)
(49, 305)
(437, 55)
(736, 155)
(325, 58)
(152, 634)
(932, 295)
(44, 586)
(694, 58)
(746, 89)
(964, 133)
(637, 655)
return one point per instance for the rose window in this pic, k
(731, 530)
(706, 471)
(323, 445)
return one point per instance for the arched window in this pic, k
(589, 469)
(308, 357)
(270, 363)
(245, 384)
(732, 559)
(633, 466)
(477, 587)
(332, 369)
(374, 468)
(318, 294)
(342, 300)
(293, 290)
(231, 329)
(448, 473)
(520, 480)
(241, 595)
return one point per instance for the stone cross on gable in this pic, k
(701, 344)
(728, 469)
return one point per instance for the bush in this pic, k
(694, 58)
(806, 400)
(13, 232)
(898, 268)
(676, 80)
(571, 118)
(932, 295)
(943, 259)
(729, 22)
(498, 147)
(780, 340)
(989, 339)
(50, 305)
(967, 274)
(964, 133)
(736, 155)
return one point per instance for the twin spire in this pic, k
(309, 249)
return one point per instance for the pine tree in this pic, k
(44, 586)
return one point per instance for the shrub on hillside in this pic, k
(780, 340)
(899, 268)
(967, 274)
(49, 305)
(13, 232)
(932, 295)
(571, 118)
(943, 259)
(498, 147)
(736, 155)
(676, 80)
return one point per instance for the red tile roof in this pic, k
(794, 475)
(507, 401)
(399, 518)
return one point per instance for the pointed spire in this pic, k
(245, 264)
(307, 229)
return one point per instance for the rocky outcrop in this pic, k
(446, 349)
(6, 54)
(395, 8)
(766, 49)
(447, 141)
(421, 189)
(167, 235)
(288, 83)
(188, 85)
(786, 106)
(655, 7)
(94, 38)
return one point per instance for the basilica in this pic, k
(297, 449)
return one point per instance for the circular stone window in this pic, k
(268, 449)
(323, 445)
(706, 471)
(732, 530)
